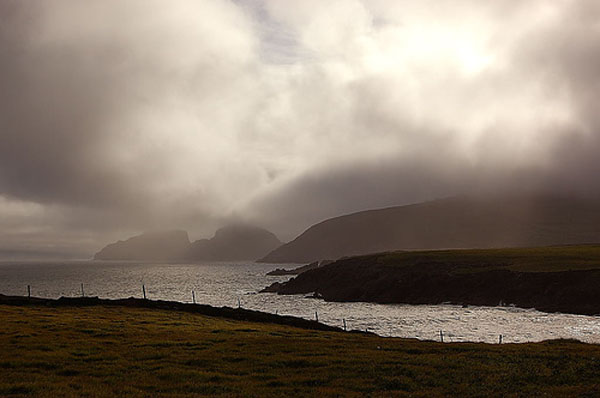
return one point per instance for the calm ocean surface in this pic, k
(222, 284)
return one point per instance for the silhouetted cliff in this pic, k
(236, 242)
(151, 246)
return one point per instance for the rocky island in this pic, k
(230, 243)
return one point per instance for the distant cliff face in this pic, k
(448, 223)
(152, 246)
(237, 242)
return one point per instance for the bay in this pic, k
(233, 284)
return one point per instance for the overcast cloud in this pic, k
(118, 117)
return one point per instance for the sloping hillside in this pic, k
(151, 246)
(463, 222)
(231, 243)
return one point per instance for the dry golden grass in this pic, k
(106, 351)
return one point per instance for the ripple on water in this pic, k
(222, 284)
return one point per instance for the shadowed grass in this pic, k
(114, 351)
(538, 259)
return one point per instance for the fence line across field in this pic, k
(442, 333)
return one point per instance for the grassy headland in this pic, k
(116, 351)
(561, 278)
(533, 259)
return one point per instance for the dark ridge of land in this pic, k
(452, 223)
(298, 270)
(238, 314)
(551, 279)
(230, 243)
(150, 246)
(109, 351)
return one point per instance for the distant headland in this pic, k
(230, 243)
(550, 279)
(452, 223)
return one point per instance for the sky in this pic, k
(119, 117)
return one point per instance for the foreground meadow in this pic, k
(111, 351)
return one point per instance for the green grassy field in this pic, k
(106, 351)
(538, 259)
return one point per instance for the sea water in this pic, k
(237, 284)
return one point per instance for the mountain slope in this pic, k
(151, 246)
(463, 222)
(238, 242)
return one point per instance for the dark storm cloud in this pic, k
(529, 124)
(51, 129)
(98, 103)
(75, 85)
(388, 182)
(122, 116)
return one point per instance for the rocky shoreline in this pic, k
(372, 279)
(299, 270)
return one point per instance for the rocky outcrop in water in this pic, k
(152, 246)
(231, 243)
(299, 270)
(238, 242)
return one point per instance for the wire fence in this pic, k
(443, 336)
